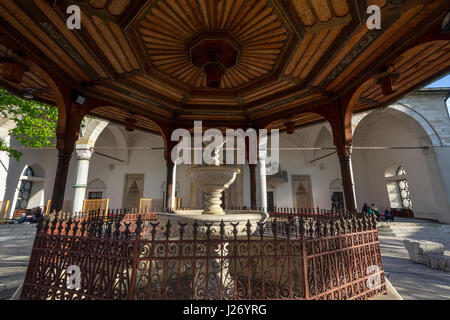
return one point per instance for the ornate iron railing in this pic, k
(334, 258)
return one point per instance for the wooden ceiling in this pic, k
(295, 54)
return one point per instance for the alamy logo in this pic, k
(374, 281)
(73, 273)
(207, 147)
(374, 20)
(74, 20)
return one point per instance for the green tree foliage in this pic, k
(35, 123)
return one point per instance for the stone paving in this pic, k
(15, 248)
(412, 281)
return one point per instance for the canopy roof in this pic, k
(293, 55)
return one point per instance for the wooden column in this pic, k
(70, 116)
(65, 146)
(252, 169)
(344, 154)
(339, 116)
(59, 187)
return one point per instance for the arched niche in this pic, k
(30, 188)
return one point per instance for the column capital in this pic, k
(84, 151)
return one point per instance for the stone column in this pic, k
(84, 153)
(252, 169)
(174, 186)
(347, 178)
(169, 178)
(262, 179)
(59, 187)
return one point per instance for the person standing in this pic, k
(334, 203)
(365, 208)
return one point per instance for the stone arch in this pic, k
(372, 82)
(308, 137)
(322, 137)
(402, 111)
(398, 126)
(142, 121)
(119, 145)
(424, 123)
(94, 127)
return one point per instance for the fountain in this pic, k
(209, 223)
(213, 180)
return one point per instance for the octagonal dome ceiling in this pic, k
(166, 28)
(293, 56)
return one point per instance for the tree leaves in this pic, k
(35, 122)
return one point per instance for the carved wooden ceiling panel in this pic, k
(292, 54)
(167, 26)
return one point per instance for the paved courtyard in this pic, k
(412, 281)
(15, 248)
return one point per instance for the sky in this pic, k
(441, 83)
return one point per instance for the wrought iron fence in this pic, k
(336, 258)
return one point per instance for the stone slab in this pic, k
(418, 249)
(438, 261)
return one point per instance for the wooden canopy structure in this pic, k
(288, 63)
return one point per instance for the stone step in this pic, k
(413, 224)
(386, 234)
(423, 233)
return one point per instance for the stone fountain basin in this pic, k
(231, 216)
(211, 178)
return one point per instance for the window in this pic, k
(403, 189)
(398, 189)
(95, 195)
(24, 190)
